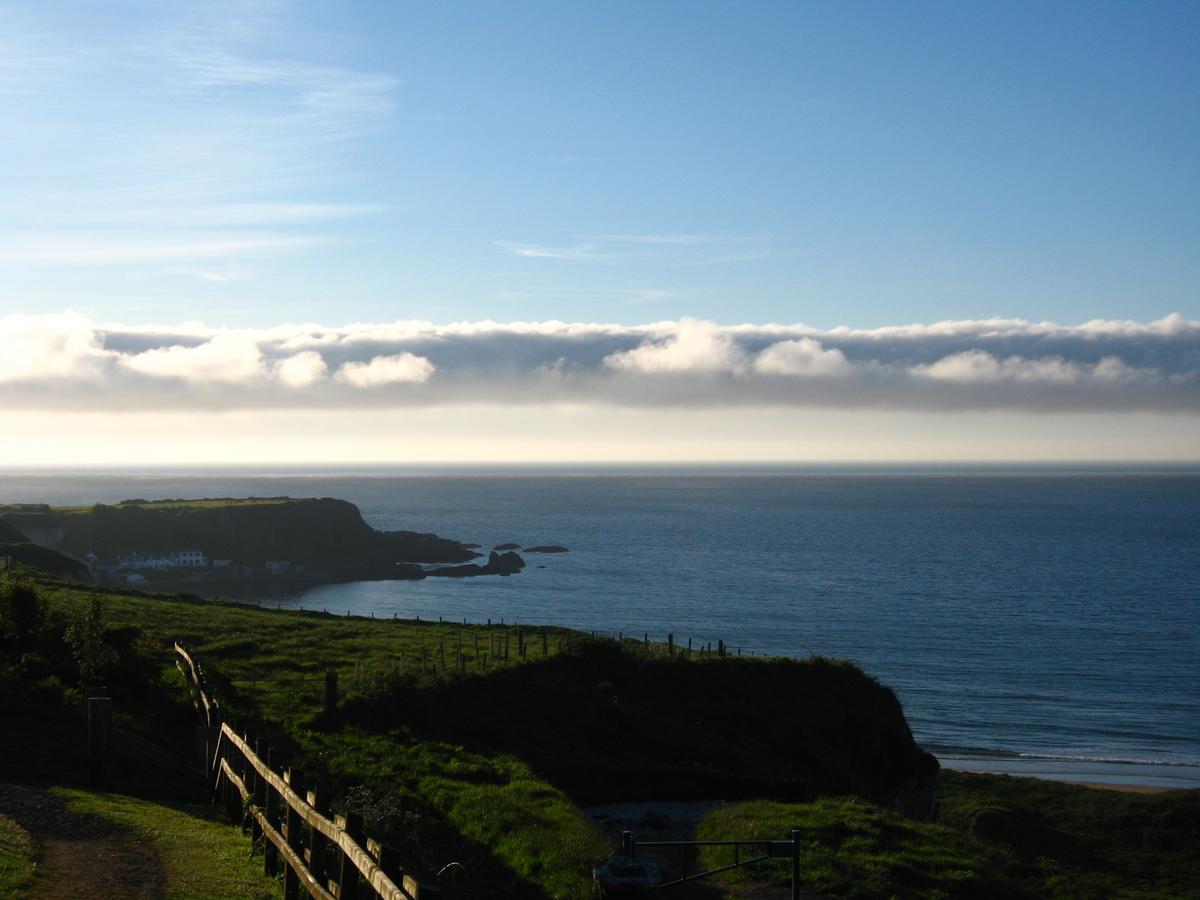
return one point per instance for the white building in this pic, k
(177, 559)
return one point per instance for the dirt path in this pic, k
(82, 856)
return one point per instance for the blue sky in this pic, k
(393, 232)
(852, 164)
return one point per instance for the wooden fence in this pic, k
(319, 856)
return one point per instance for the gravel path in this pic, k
(82, 856)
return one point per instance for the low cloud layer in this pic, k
(68, 362)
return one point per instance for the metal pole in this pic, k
(795, 864)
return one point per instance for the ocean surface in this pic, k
(1034, 621)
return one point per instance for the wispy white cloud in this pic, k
(66, 361)
(231, 117)
(663, 239)
(223, 215)
(623, 296)
(653, 249)
(110, 248)
(578, 253)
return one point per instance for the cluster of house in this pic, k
(128, 569)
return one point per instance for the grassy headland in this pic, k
(454, 753)
(455, 758)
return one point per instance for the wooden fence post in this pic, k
(270, 808)
(670, 643)
(386, 857)
(249, 777)
(99, 710)
(203, 760)
(352, 824)
(331, 691)
(259, 793)
(292, 831)
(315, 854)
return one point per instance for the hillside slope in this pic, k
(324, 534)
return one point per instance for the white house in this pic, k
(190, 559)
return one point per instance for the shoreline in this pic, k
(1124, 788)
(1127, 777)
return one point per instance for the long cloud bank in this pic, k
(67, 362)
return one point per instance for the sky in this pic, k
(404, 232)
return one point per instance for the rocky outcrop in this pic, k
(503, 547)
(547, 548)
(498, 564)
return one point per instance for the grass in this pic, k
(203, 858)
(515, 834)
(435, 802)
(245, 644)
(17, 858)
(1082, 842)
(854, 849)
(482, 769)
(997, 836)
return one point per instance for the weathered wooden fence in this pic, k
(319, 856)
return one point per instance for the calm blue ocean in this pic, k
(1041, 622)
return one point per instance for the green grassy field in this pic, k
(1074, 841)
(435, 802)
(254, 654)
(17, 858)
(855, 849)
(486, 767)
(997, 836)
(204, 859)
(482, 767)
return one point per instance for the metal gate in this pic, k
(767, 849)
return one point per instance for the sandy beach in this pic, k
(1125, 788)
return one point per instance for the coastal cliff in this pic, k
(16, 548)
(321, 537)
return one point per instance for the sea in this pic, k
(1039, 621)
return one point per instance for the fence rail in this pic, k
(206, 706)
(319, 856)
